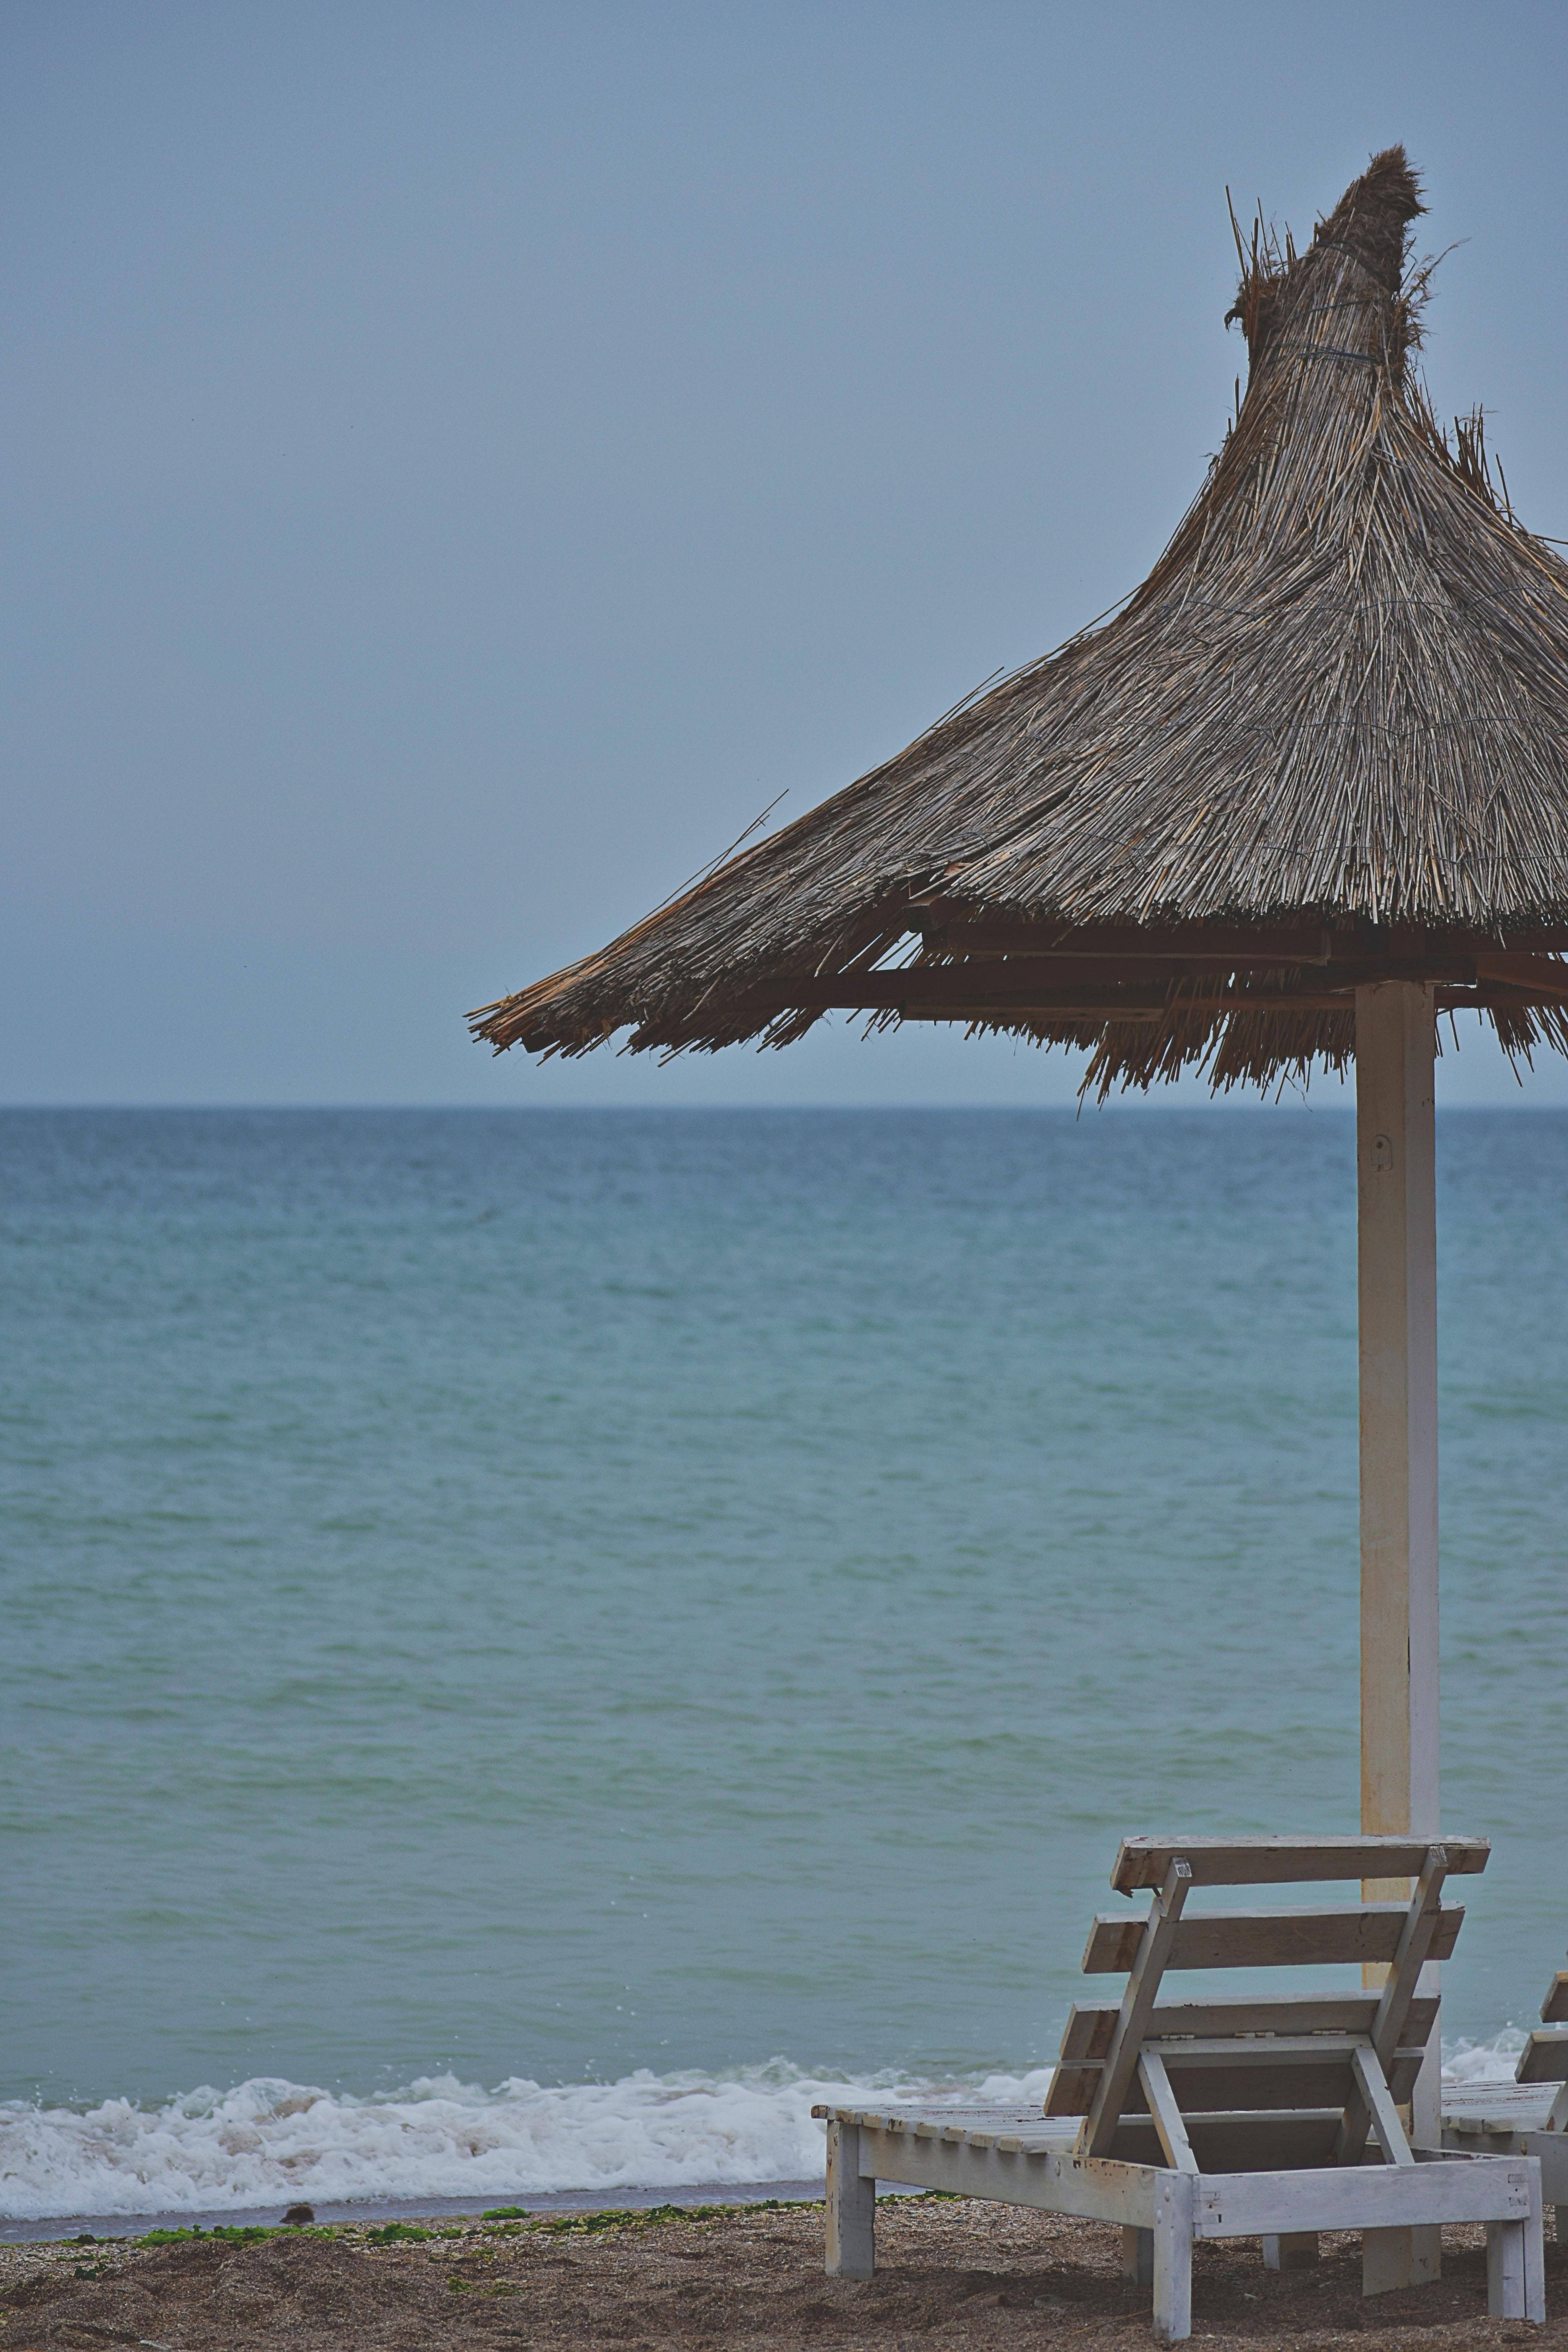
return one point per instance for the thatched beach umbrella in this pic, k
(1305, 791)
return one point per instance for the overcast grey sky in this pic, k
(463, 460)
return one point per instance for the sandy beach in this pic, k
(951, 2273)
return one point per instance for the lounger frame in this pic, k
(1531, 2119)
(1165, 2212)
(1273, 2117)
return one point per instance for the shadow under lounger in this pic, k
(1275, 2117)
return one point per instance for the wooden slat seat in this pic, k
(1477, 2109)
(1274, 2116)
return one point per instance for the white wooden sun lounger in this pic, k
(1527, 2117)
(1272, 2117)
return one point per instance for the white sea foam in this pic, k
(1471, 2066)
(268, 2141)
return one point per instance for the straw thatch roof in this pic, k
(1325, 742)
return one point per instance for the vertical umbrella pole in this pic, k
(1397, 1285)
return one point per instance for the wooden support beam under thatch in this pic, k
(1230, 946)
(1144, 984)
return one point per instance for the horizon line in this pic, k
(1340, 1108)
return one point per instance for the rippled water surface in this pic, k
(542, 1595)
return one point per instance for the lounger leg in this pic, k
(1535, 2267)
(851, 2206)
(1175, 2195)
(1397, 2258)
(1384, 2260)
(1505, 2269)
(1516, 2270)
(1561, 2213)
(1293, 2250)
(1138, 2257)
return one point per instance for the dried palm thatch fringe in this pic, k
(1342, 695)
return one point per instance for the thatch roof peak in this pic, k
(1371, 224)
(1342, 695)
(1371, 219)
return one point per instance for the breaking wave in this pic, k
(266, 2140)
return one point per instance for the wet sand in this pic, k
(951, 2273)
(433, 2212)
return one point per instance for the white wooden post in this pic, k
(851, 2206)
(1397, 1286)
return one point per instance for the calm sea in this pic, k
(529, 1639)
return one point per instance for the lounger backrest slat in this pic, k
(1207, 2086)
(1091, 2024)
(1349, 1934)
(1281, 1861)
(1544, 2057)
(1271, 2080)
(1238, 2143)
(1317, 2084)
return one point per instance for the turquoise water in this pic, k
(549, 1594)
